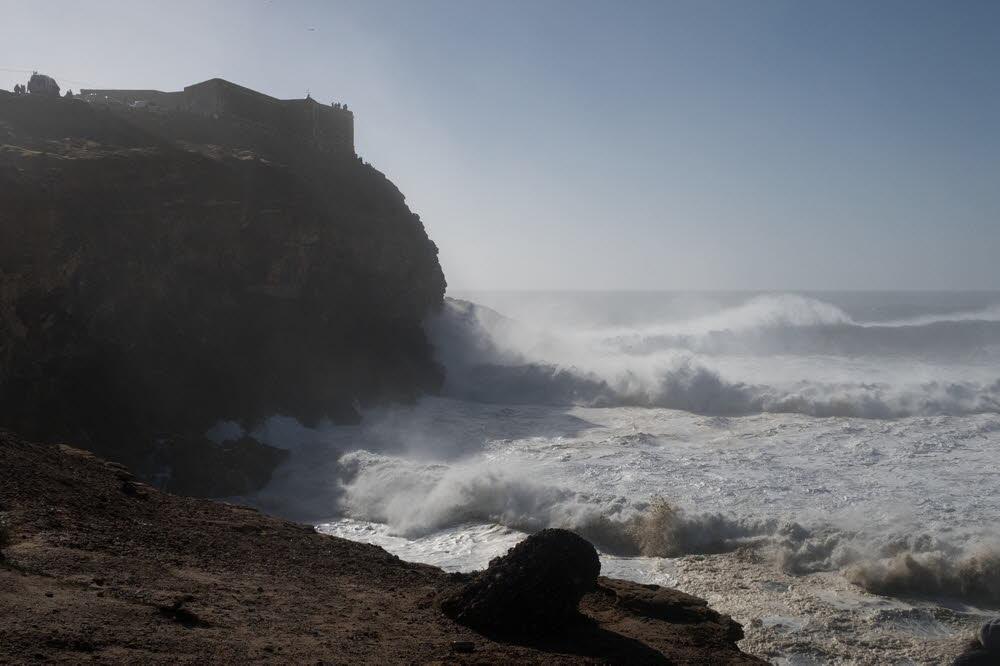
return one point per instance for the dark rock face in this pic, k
(534, 590)
(161, 273)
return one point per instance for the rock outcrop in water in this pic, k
(159, 273)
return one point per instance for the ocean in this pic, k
(822, 466)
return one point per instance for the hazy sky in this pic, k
(600, 145)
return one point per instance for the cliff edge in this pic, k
(162, 272)
(103, 567)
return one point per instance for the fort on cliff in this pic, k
(329, 128)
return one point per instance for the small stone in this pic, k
(463, 646)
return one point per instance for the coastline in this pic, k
(104, 567)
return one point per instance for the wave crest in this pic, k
(490, 358)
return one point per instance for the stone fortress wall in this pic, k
(330, 128)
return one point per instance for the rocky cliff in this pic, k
(159, 273)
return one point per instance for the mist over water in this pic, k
(855, 436)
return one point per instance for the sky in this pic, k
(573, 144)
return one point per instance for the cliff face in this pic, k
(158, 274)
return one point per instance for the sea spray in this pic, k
(491, 358)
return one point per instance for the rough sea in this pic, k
(823, 467)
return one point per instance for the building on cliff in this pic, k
(40, 84)
(330, 128)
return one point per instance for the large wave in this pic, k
(422, 471)
(775, 311)
(792, 324)
(490, 358)
(416, 499)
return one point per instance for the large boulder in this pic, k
(533, 590)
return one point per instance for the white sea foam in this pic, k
(836, 472)
(418, 500)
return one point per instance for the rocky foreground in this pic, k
(105, 569)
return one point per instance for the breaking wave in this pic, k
(490, 358)
(417, 500)
(969, 575)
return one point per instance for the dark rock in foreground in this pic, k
(533, 590)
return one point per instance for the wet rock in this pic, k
(533, 590)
